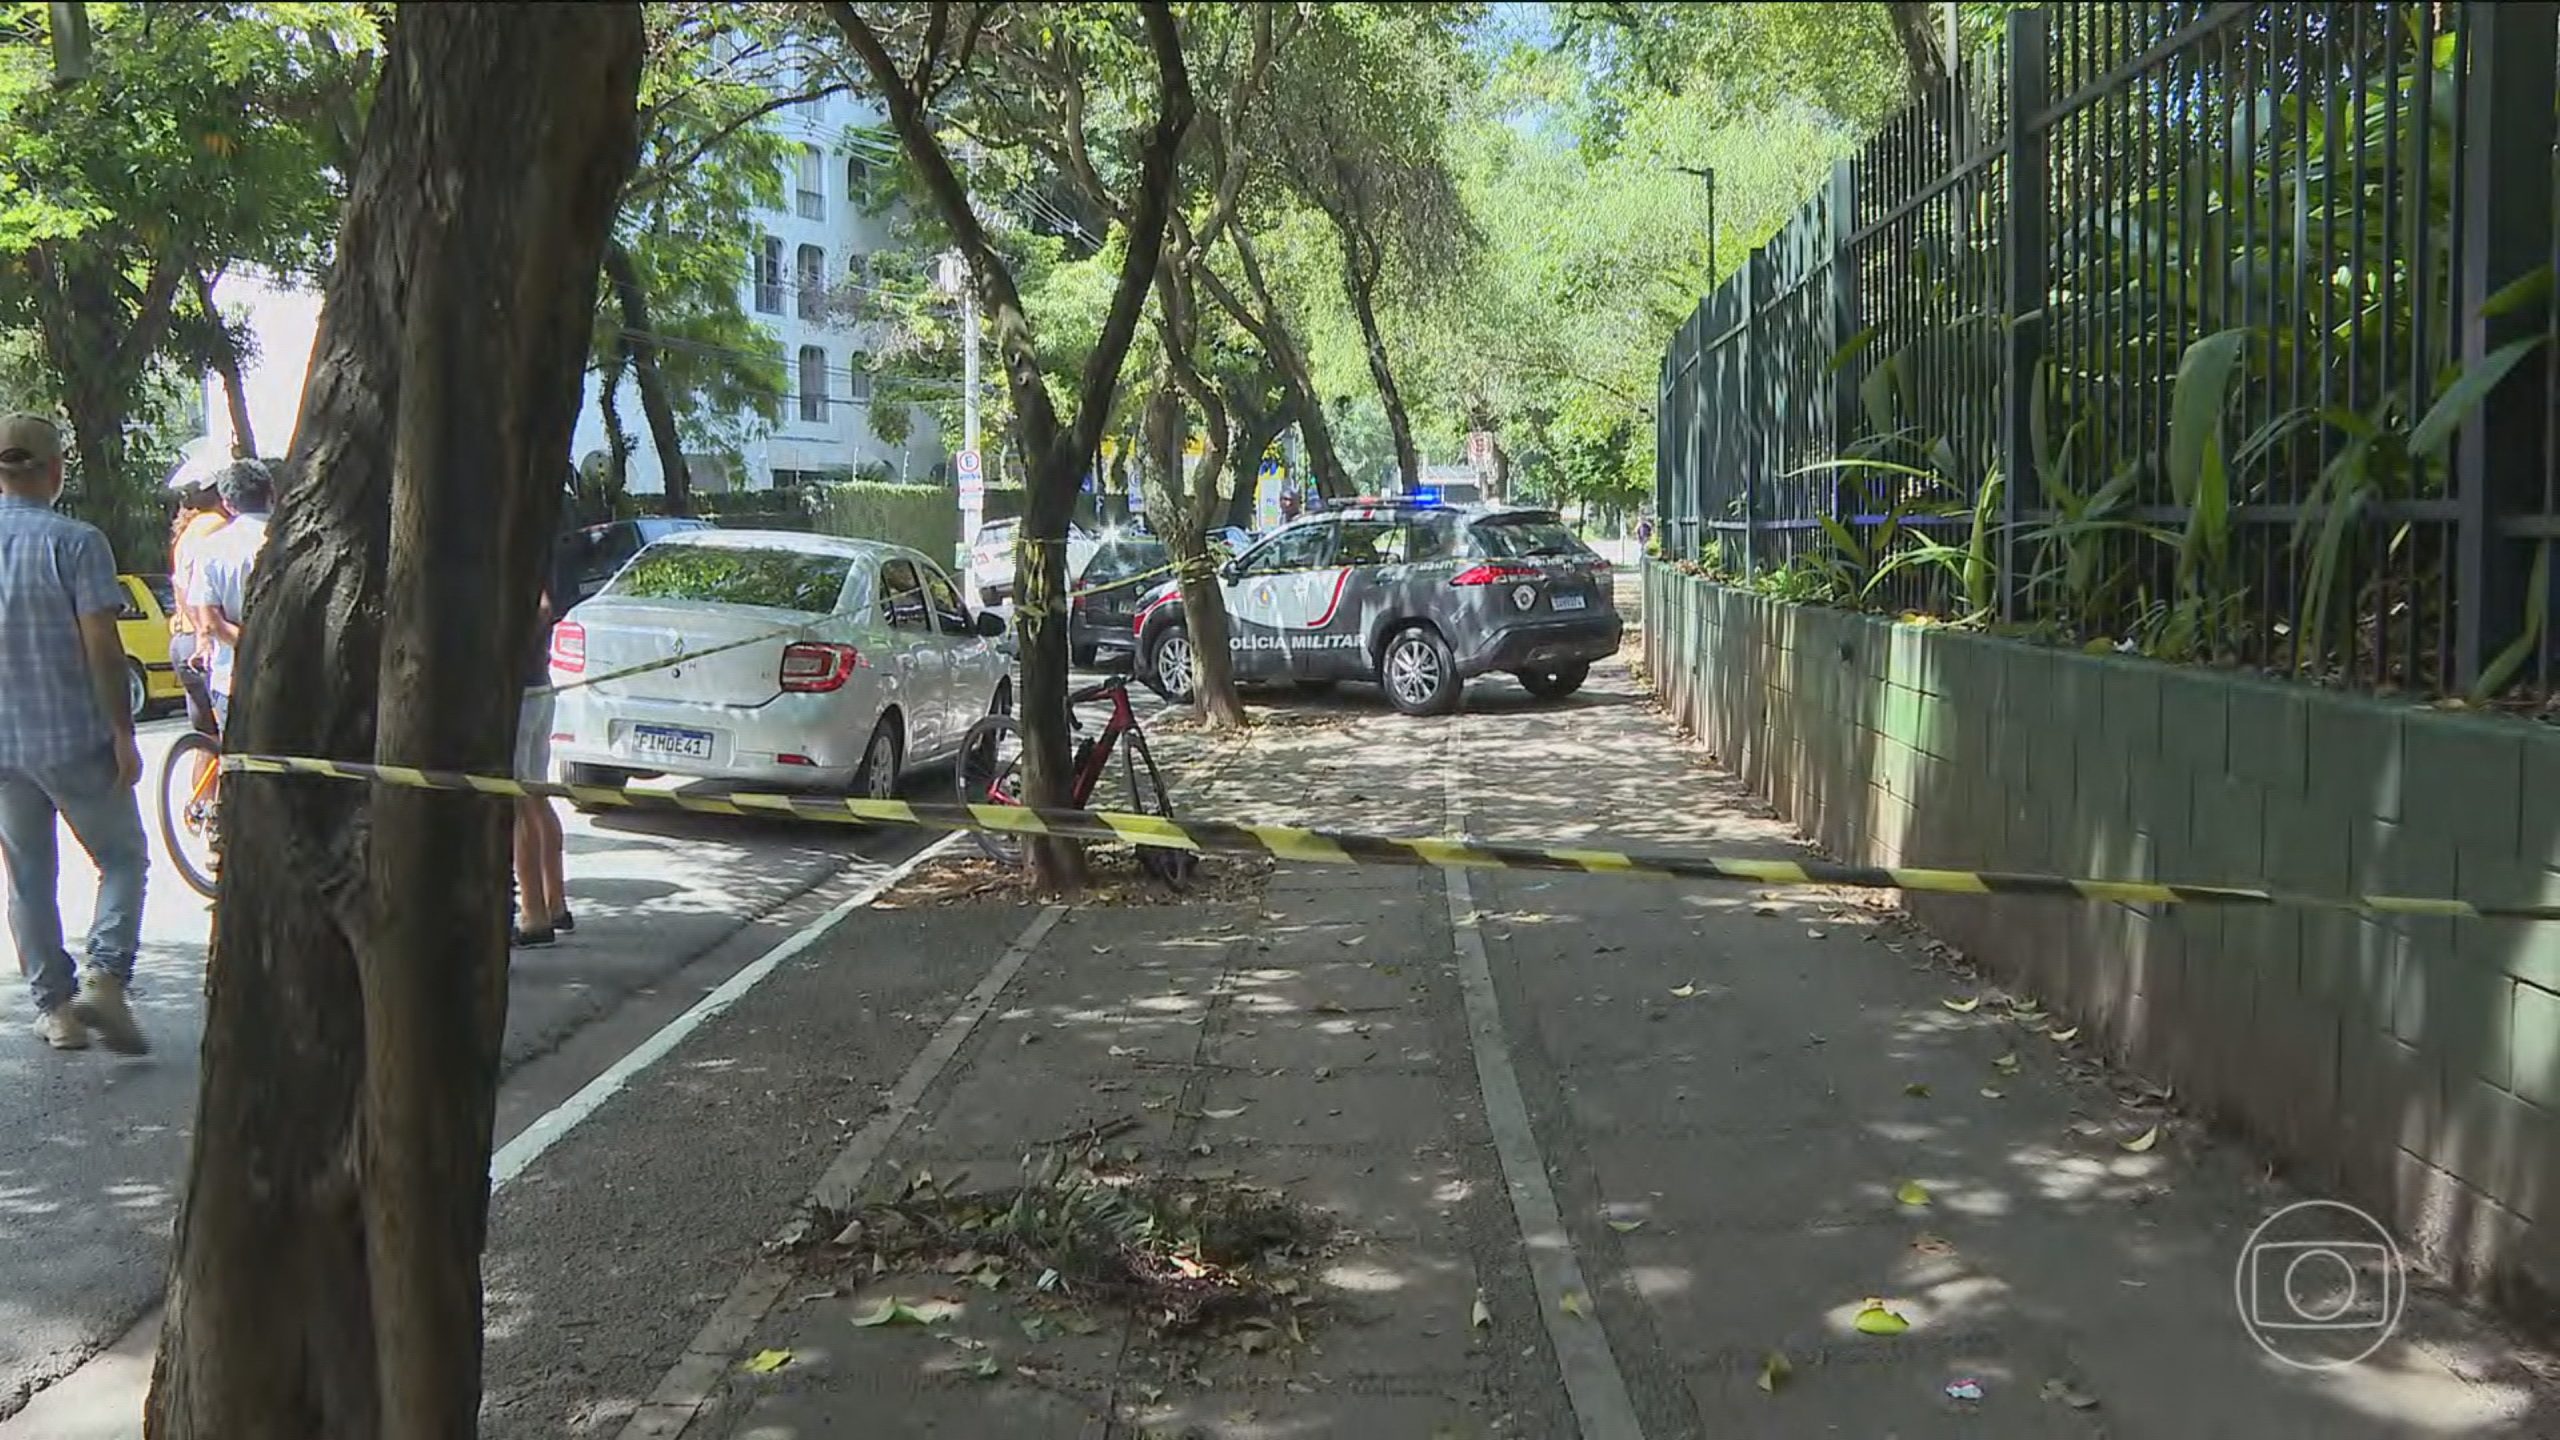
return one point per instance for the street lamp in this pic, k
(1708, 174)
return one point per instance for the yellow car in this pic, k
(150, 681)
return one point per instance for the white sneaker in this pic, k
(101, 1006)
(61, 1029)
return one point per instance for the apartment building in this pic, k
(804, 256)
(799, 263)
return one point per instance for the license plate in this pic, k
(1567, 602)
(671, 740)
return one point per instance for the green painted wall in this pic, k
(2412, 1066)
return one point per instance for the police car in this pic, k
(1420, 598)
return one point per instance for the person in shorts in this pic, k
(542, 900)
(200, 518)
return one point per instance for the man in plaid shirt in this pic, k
(66, 746)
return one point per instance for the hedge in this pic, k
(921, 517)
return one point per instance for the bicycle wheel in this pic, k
(1148, 796)
(989, 772)
(191, 810)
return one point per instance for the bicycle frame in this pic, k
(1097, 755)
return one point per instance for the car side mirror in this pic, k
(990, 624)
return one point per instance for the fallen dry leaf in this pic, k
(1482, 1316)
(1626, 1227)
(2143, 1141)
(2006, 1064)
(1916, 1090)
(1222, 1114)
(2059, 1036)
(1775, 1372)
(1912, 1193)
(767, 1361)
(1684, 991)
(1963, 1007)
(1575, 1304)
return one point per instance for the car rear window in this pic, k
(772, 576)
(1121, 559)
(1516, 537)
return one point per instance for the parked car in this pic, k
(150, 680)
(1418, 597)
(815, 661)
(991, 557)
(584, 559)
(1122, 572)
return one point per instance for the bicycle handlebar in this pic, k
(1099, 692)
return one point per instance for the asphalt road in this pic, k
(93, 1147)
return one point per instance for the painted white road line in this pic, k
(1602, 1407)
(688, 1384)
(530, 1142)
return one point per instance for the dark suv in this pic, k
(1124, 570)
(1420, 598)
(583, 559)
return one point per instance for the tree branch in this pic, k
(657, 177)
(1158, 161)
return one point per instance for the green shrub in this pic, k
(921, 517)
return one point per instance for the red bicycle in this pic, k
(990, 773)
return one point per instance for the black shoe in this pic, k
(565, 923)
(533, 939)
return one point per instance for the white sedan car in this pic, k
(776, 658)
(991, 557)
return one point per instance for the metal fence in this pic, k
(2220, 330)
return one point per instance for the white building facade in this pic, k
(800, 259)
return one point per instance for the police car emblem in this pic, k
(1525, 596)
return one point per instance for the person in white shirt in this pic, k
(220, 594)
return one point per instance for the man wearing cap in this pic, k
(66, 746)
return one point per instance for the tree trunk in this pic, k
(1040, 616)
(226, 364)
(1268, 323)
(1919, 27)
(655, 403)
(1058, 448)
(1188, 507)
(1245, 462)
(617, 440)
(1362, 284)
(327, 1275)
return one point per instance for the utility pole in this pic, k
(954, 279)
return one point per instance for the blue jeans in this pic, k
(107, 821)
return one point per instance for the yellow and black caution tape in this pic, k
(1336, 847)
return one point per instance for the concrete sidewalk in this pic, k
(1609, 1157)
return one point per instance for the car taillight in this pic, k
(809, 666)
(569, 648)
(1139, 626)
(1494, 574)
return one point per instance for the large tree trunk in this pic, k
(327, 1277)
(1188, 508)
(1362, 284)
(655, 403)
(226, 364)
